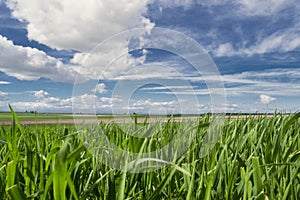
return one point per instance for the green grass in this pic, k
(37, 116)
(254, 158)
(5, 116)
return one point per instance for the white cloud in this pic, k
(4, 83)
(26, 63)
(149, 102)
(81, 26)
(278, 82)
(168, 87)
(3, 96)
(242, 7)
(46, 103)
(274, 82)
(4, 100)
(281, 40)
(100, 88)
(265, 99)
(106, 62)
(85, 103)
(285, 41)
(188, 3)
(163, 70)
(110, 100)
(222, 108)
(225, 49)
(265, 7)
(78, 25)
(288, 74)
(41, 94)
(188, 92)
(154, 107)
(174, 3)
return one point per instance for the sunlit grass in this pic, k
(35, 116)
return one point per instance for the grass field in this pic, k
(35, 116)
(23, 116)
(254, 158)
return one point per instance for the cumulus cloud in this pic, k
(78, 25)
(265, 99)
(107, 62)
(89, 23)
(100, 88)
(89, 103)
(26, 63)
(41, 94)
(150, 106)
(149, 102)
(85, 103)
(47, 105)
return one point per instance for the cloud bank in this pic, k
(71, 25)
(26, 63)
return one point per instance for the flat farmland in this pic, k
(59, 118)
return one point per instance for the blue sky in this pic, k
(53, 56)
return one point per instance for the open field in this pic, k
(5, 116)
(58, 118)
(254, 158)
(47, 118)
